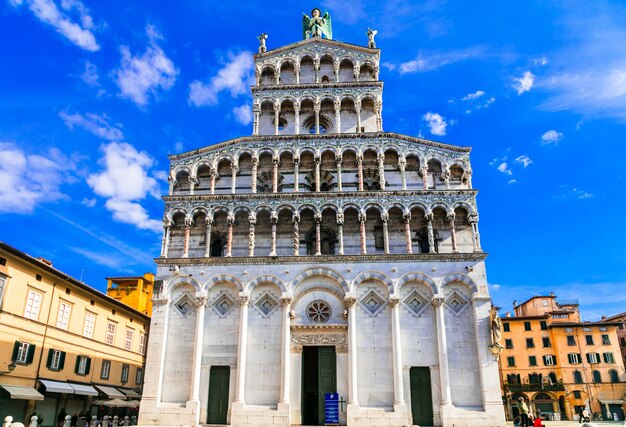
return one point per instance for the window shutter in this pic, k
(62, 361)
(598, 358)
(31, 353)
(88, 366)
(50, 355)
(588, 358)
(77, 364)
(16, 349)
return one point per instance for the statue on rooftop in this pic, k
(262, 38)
(317, 25)
(370, 38)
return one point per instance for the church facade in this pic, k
(321, 255)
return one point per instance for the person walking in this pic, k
(523, 412)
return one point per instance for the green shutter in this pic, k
(31, 353)
(77, 364)
(62, 361)
(16, 349)
(50, 356)
(88, 366)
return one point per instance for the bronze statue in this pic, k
(317, 25)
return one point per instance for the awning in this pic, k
(111, 392)
(130, 393)
(22, 392)
(57, 387)
(85, 390)
(612, 402)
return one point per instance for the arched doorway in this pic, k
(544, 403)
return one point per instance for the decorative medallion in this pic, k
(318, 312)
(372, 302)
(266, 304)
(223, 304)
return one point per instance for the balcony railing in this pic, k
(535, 387)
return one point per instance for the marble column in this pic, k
(450, 219)
(381, 170)
(318, 162)
(445, 174)
(338, 160)
(316, 108)
(402, 165)
(200, 303)
(255, 171)
(385, 219)
(275, 161)
(318, 237)
(297, 71)
(244, 301)
(233, 184)
(165, 244)
(285, 360)
(379, 116)
(356, 69)
(362, 219)
(274, 219)
(296, 234)
(407, 233)
(213, 175)
(336, 68)
(337, 116)
(431, 233)
(358, 118)
(316, 66)
(296, 121)
(359, 162)
(277, 76)
(192, 184)
(424, 173)
(442, 345)
(229, 238)
(188, 223)
(251, 236)
(276, 118)
(350, 300)
(207, 236)
(340, 219)
(171, 182)
(256, 113)
(396, 340)
(473, 220)
(296, 174)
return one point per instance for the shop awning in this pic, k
(22, 392)
(57, 387)
(84, 390)
(130, 393)
(111, 392)
(612, 402)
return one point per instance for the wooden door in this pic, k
(219, 380)
(327, 368)
(421, 396)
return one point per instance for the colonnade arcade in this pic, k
(330, 230)
(310, 170)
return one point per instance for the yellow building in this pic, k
(560, 364)
(135, 291)
(63, 343)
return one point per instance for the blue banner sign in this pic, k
(331, 409)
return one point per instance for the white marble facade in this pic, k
(321, 230)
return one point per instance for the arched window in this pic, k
(512, 379)
(578, 378)
(552, 377)
(614, 376)
(596, 377)
(217, 247)
(534, 378)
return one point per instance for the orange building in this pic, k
(560, 364)
(621, 331)
(134, 291)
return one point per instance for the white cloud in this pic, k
(31, 179)
(581, 194)
(235, 76)
(495, 286)
(141, 76)
(124, 182)
(504, 168)
(63, 21)
(107, 259)
(436, 123)
(542, 60)
(512, 181)
(90, 75)
(524, 160)
(475, 95)
(551, 137)
(524, 83)
(98, 125)
(90, 203)
(435, 60)
(243, 114)
(349, 12)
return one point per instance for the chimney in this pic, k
(508, 314)
(551, 294)
(45, 261)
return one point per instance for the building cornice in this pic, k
(373, 84)
(322, 259)
(316, 40)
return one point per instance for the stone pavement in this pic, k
(577, 424)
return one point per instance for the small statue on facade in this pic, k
(370, 38)
(496, 332)
(262, 38)
(317, 25)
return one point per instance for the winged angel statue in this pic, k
(317, 26)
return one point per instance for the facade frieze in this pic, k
(319, 92)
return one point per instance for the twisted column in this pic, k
(450, 219)
(339, 183)
(362, 219)
(473, 220)
(244, 300)
(274, 219)
(340, 219)
(337, 105)
(207, 237)
(275, 175)
(424, 173)
(188, 223)
(396, 341)
(318, 161)
(233, 185)
(407, 233)
(381, 170)
(213, 176)
(251, 236)
(318, 239)
(385, 218)
(296, 234)
(350, 300)
(255, 171)
(276, 118)
(444, 373)
(286, 349)
(296, 174)
(165, 244)
(431, 233)
(358, 117)
(402, 165)
(359, 163)
(229, 240)
(297, 71)
(296, 121)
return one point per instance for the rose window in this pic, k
(318, 312)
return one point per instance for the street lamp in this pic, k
(11, 368)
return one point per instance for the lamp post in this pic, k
(11, 368)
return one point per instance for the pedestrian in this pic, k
(61, 417)
(523, 412)
(585, 415)
(74, 419)
(537, 422)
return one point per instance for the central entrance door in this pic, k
(319, 376)
(421, 396)
(219, 379)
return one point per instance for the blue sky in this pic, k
(94, 95)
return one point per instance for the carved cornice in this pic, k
(317, 328)
(323, 259)
(316, 45)
(299, 91)
(370, 84)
